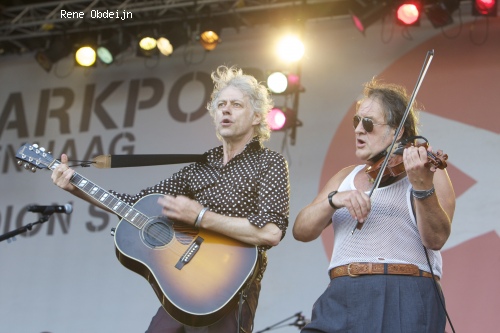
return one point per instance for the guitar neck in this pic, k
(38, 158)
(119, 207)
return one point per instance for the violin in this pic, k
(399, 160)
(395, 165)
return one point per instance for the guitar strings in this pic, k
(184, 236)
(163, 236)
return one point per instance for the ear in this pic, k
(257, 117)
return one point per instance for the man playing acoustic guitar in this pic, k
(241, 192)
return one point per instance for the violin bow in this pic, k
(423, 71)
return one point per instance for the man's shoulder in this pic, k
(347, 170)
(343, 173)
(213, 153)
(272, 154)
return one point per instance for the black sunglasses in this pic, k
(366, 122)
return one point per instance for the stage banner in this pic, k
(63, 275)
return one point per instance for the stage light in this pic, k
(281, 118)
(58, 48)
(281, 83)
(277, 82)
(290, 48)
(164, 46)
(109, 50)
(276, 119)
(147, 43)
(408, 13)
(85, 56)
(209, 36)
(365, 13)
(146, 46)
(173, 39)
(484, 7)
(209, 39)
(439, 13)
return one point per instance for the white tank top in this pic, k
(389, 235)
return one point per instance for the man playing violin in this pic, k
(384, 276)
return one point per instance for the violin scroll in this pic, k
(438, 160)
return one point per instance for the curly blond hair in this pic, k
(260, 98)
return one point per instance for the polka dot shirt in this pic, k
(254, 184)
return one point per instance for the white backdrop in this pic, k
(64, 277)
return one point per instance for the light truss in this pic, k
(26, 25)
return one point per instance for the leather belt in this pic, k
(356, 269)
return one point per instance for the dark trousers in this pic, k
(378, 304)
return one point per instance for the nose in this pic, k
(225, 109)
(359, 128)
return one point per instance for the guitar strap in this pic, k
(255, 278)
(125, 161)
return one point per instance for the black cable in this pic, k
(434, 277)
(437, 291)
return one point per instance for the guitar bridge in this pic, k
(190, 252)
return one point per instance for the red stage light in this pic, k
(282, 118)
(484, 8)
(365, 13)
(408, 13)
(276, 119)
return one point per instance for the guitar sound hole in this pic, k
(158, 232)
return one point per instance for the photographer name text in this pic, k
(97, 14)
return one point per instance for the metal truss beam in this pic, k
(19, 23)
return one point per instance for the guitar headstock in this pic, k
(34, 158)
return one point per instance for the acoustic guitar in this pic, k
(197, 274)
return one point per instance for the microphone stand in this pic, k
(300, 323)
(25, 228)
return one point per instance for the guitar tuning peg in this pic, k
(19, 162)
(35, 145)
(42, 149)
(26, 166)
(33, 169)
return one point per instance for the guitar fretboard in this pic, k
(118, 206)
(40, 159)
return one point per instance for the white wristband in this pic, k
(200, 216)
